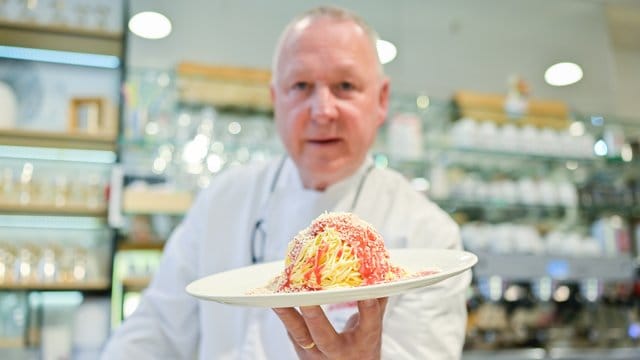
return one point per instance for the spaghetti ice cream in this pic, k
(336, 250)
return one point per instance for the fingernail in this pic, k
(311, 311)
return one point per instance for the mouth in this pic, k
(327, 141)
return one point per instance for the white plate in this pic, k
(233, 287)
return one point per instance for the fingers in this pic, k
(310, 330)
(371, 314)
(352, 321)
(322, 332)
(296, 327)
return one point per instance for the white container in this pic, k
(405, 136)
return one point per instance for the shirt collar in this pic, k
(292, 180)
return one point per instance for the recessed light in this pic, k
(150, 25)
(386, 51)
(563, 74)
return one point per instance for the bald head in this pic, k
(330, 14)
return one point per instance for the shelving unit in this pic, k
(63, 158)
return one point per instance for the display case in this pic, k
(61, 68)
(552, 215)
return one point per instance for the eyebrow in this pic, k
(350, 69)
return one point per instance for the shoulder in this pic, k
(424, 221)
(235, 183)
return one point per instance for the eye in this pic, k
(346, 86)
(300, 85)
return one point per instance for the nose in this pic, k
(323, 105)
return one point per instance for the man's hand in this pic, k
(314, 337)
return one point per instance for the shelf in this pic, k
(135, 283)
(60, 37)
(626, 353)
(455, 204)
(438, 149)
(529, 267)
(531, 353)
(11, 342)
(630, 211)
(94, 285)
(146, 201)
(19, 137)
(36, 209)
(127, 246)
(224, 86)
(516, 155)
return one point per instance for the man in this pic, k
(330, 96)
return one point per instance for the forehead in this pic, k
(336, 45)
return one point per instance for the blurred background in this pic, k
(519, 118)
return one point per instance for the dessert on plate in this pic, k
(337, 250)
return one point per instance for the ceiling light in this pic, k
(150, 25)
(600, 148)
(422, 101)
(576, 128)
(562, 74)
(386, 51)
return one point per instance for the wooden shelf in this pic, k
(146, 201)
(95, 285)
(20, 137)
(11, 342)
(224, 86)
(60, 37)
(135, 283)
(126, 246)
(39, 209)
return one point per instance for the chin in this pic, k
(327, 172)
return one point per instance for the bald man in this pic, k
(330, 97)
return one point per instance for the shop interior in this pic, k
(108, 131)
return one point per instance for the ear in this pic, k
(383, 100)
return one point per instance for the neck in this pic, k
(320, 182)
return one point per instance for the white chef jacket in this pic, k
(215, 236)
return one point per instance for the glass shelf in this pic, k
(457, 204)
(531, 267)
(68, 210)
(435, 152)
(509, 154)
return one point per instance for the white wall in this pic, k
(628, 83)
(443, 45)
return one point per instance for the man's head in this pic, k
(329, 93)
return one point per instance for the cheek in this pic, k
(290, 125)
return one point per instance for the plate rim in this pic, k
(399, 286)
